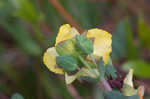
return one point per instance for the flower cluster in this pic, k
(86, 55)
(73, 54)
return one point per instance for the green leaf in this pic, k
(119, 41)
(122, 41)
(66, 48)
(68, 63)
(17, 96)
(131, 50)
(141, 68)
(84, 45)
(110, 70)
(101, 68)
(143, 33)
(26, 11)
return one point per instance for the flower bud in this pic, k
(67, 47)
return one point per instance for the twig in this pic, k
(73, 92)
(65, 14)
(106, 85)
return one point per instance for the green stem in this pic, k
(87, 65)
(106, 85)
(103, 81)
(93, 60)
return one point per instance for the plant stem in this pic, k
(87, 65)
(65, 14)
(73, 92)
(92, 58)
(106, 85)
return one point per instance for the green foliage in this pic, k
(119, 41)
(122, 39)
(22, 38)
(84, 45)
(66, 48)
(110, 70)
(143, 32)
(102, 68)
(26, 11)
(68, 63)
(131, 50)
(141, 68)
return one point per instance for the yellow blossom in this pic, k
(102, 47)
(102, 43)
(49, 60)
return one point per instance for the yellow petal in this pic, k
(65, 32)
(69, 79)
(102, 43)
(49, 60)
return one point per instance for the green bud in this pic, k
(84, 45)
(66, 48)
(68, 63)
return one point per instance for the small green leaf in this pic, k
(101, 68)
(84, 44)
(66, 48)
(141, 68)
(110, 70)
(68, 63)
(17, 96)
(143, 33)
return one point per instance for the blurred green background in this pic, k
(29, 27)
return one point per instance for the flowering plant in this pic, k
(87, 56)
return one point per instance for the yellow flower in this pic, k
(102, 43)
(49, 58)
(66, 32)
(102, 47)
